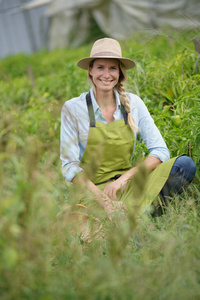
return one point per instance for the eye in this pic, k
(114, 68)
(99, 67)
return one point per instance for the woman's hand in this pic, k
(102, 199)
(112, 207)
(111, 188)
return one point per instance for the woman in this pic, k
(98, 135)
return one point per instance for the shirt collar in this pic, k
(96, 106)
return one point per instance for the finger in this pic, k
(106, 191)
(107, 187)
(109, 194)
(124, 207)
(112, 193)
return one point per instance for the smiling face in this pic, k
(105, 73)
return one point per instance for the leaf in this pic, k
(166, 95)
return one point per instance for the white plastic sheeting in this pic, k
(20, 30)
(70, 19)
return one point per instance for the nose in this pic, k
(106, 73)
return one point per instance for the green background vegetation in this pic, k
(158, 259)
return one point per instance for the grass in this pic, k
(158, 258)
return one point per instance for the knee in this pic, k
(188, 167)
(193, 168)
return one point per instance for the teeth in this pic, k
(106, 82)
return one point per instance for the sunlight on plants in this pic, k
(42, 255)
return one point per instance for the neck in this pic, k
(105, 99)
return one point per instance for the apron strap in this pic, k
(91, 111)
(125, 114)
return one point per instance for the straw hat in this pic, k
(106, 48)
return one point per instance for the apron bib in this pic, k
(108, 153)
(109, 148)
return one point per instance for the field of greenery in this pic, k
(158, 258)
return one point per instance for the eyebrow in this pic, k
(102, 65)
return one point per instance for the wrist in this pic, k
(129, 174)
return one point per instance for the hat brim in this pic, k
(85, 62)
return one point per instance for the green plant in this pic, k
(39, 258)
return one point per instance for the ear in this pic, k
(90, 71)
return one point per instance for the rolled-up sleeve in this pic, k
(151, 134)
(69, 148)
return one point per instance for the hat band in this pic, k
(106, 53)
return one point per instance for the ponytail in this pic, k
(124, 99)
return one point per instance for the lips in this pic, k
(106, 81)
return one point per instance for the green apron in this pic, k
(108, 153)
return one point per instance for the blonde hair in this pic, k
(122, 95)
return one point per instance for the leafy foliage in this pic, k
(40, 259)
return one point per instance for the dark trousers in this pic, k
(181, 175)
